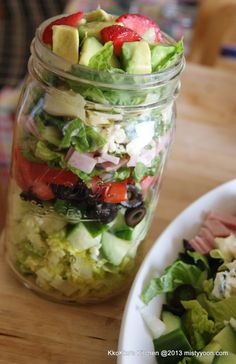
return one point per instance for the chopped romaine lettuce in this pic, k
(104, 59)
(198, 326)
(175, 275)
(44, 153)
(163, 56)
(219, 311)
(83, 138)
(141, 170)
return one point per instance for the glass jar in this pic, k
(88, 156)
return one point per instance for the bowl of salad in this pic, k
(182, 305)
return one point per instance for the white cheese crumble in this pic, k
(225, 284)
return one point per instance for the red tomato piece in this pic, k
(115, 192)
(71, 20)
(39, 176)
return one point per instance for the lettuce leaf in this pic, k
(163, 56)
(102, 60)
(219, 311)
(141, 170)
(83, 138)
(174, 276)
(198, 326)
(44, 153)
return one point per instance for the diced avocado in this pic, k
(98, 15)
(175, 341)
(159, 53)
(225, 359)
(93, 29)
(171, 321)
(81, 239)
(136, 57)
(65, 42)
(120, 228)
(95, 228)
(114, 249)
(90, 47)
(227, 339)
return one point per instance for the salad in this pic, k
(198, 319)
(87, 162)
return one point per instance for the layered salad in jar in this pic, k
(86, 165)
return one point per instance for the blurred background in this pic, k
(207, 26)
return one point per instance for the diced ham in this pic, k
(203, 244)
(195, 245)
(207, 235)
(83, 161)
(105, 157)
(226, 219)
(216, 228)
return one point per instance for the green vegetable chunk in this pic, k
(175, 275)
(198, 327)
(175, 341)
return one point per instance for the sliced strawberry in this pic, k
(71, 20)
(140, 24)
(118, 35)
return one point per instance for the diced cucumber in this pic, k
(175, 341)
(81, 239)
(95, 228)
(121, 229)
(227, 339)
(225, 359)
(114, 249)
(208, 358)
(171, 321)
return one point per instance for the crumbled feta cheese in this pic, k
(225, 284)
(115, 137)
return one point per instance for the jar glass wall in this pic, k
(88, 156)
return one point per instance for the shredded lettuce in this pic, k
(83, 138)
(141, 170)
(198, 326)
(219, 311)
(163, 56)
(44, 153)
(103, 60)
(175, 275)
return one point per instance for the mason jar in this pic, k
(88, 157)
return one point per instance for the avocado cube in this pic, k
(136, 57)
(65, 42)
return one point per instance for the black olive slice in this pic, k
(134, 197)
(134, 216)
(104, 212)
(77, 192)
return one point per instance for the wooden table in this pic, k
(36, 331)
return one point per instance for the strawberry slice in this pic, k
(140, 24)
(71, 20)
(118, 35)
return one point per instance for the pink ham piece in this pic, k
(195, 245)
(105, 157)
(203, 244)
(216, 228)
(207, 236)
(226, 219)
(83, 161)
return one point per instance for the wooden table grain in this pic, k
(33, 330)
